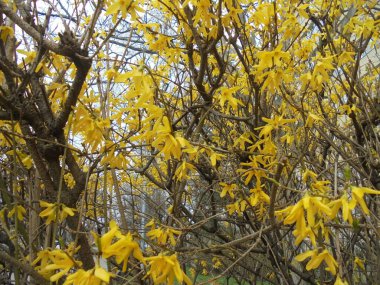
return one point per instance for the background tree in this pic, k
(236, 138)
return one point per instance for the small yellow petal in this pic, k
(58, 275)
(45, 204)
(359, 263)
(303, 256)
(102, 274)
(69, 211)
(314, 262)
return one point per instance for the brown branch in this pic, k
(84, 252)
(37, 159)
(273, 193)
(83, 67)
(36, 35)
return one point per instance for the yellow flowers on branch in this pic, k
(317, 259)
(246, 132)
(55, 212)
(165, 269)
(96, 276)
(318, 212)
(18, 211)
(162, 235)
(50, 261)
(54, 264)
(121, 249)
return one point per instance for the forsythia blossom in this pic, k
(162, 235)
(121, 249)
(18, 211)
(55, 210)
(163, 269)
(54, 264)
(95, 276)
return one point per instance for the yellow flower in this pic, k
(183, 170)
(111, 73)
(65, 211)
(358, 194)
(258, 196)
(216, 262)
(6, 32)
(105, 241)
(151, 223)
(274, 124)
(121, 249)
(27, 161)
(321, 185)
(95, 276)
(2, 215)
(43, 257)
(314, 207)
(18, 211)
(123, 6)
(119, 6)
(49, 212)
(53, 210)
(235, 207)
(317, 259)
(54, 264)
(346, 206)
(162, 235)
(339, 281)
(228, 188)
(360, 263)
(29, 56)
(309, 174)
(163, 269)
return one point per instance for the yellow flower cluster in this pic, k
(162, 234)
(55, 211)
(314, 207)
(163, 269)
(54, 264)
(121, 249)
(317, 258)
(319, 210)
(17, 211)
(95, 276)
(50, 261)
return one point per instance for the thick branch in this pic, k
(36, 35)
(85, 253)
(74, 92)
